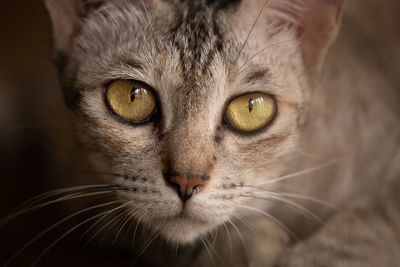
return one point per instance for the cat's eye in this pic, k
(250, 112)
(131, 100)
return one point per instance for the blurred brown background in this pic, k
(28, 98)
(32, 111)
(36, 142)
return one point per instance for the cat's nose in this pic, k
(186, 186)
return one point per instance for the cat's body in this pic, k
(334, 141)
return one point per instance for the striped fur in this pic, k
(199, 54)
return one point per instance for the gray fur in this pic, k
(197, 55)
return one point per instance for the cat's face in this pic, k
(193, 62)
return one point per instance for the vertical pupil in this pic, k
(133, 94)
(251, 104)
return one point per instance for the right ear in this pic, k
(67, 18)
(316, 23)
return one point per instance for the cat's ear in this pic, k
(317, 23)
(67, 17)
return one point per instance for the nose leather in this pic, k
(186, 186)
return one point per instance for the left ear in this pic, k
(67, 17)
(317, 23)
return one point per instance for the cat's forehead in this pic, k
(199, 39)
(188, 51)
(179, 49)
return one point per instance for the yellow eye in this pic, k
(131, 100)
(250, 112)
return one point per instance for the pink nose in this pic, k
(186, 186)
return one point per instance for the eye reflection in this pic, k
(250, 112)
(131, 100)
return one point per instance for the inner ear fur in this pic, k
(67, 18)
(317, 23)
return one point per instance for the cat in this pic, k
(232, 118)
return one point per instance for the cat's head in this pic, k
(190, 103)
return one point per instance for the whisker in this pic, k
(136, 227)
(207, 249)
(70, 231)
(105, 173)
(54, 226)
(31, 202)
(94, 224)
(240, 237)
(296, 196)
(147, 15)
(299, 208)
(131, 223)
(229, 238)
(142, 32)
(147, 245)
(272, 218)
(211, 245)
(251, 30)
(244, 221)
(104, 226)
(45, 195)
(263, 50)
(312, 199)
(58, 200)
(128, 218)
(215, 237)
(299, 173)
(122, 216)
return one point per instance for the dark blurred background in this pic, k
(28, 97)
(37, 146)
(35, 135)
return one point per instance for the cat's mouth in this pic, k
(180, 222)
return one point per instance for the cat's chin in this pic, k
(183, 230)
